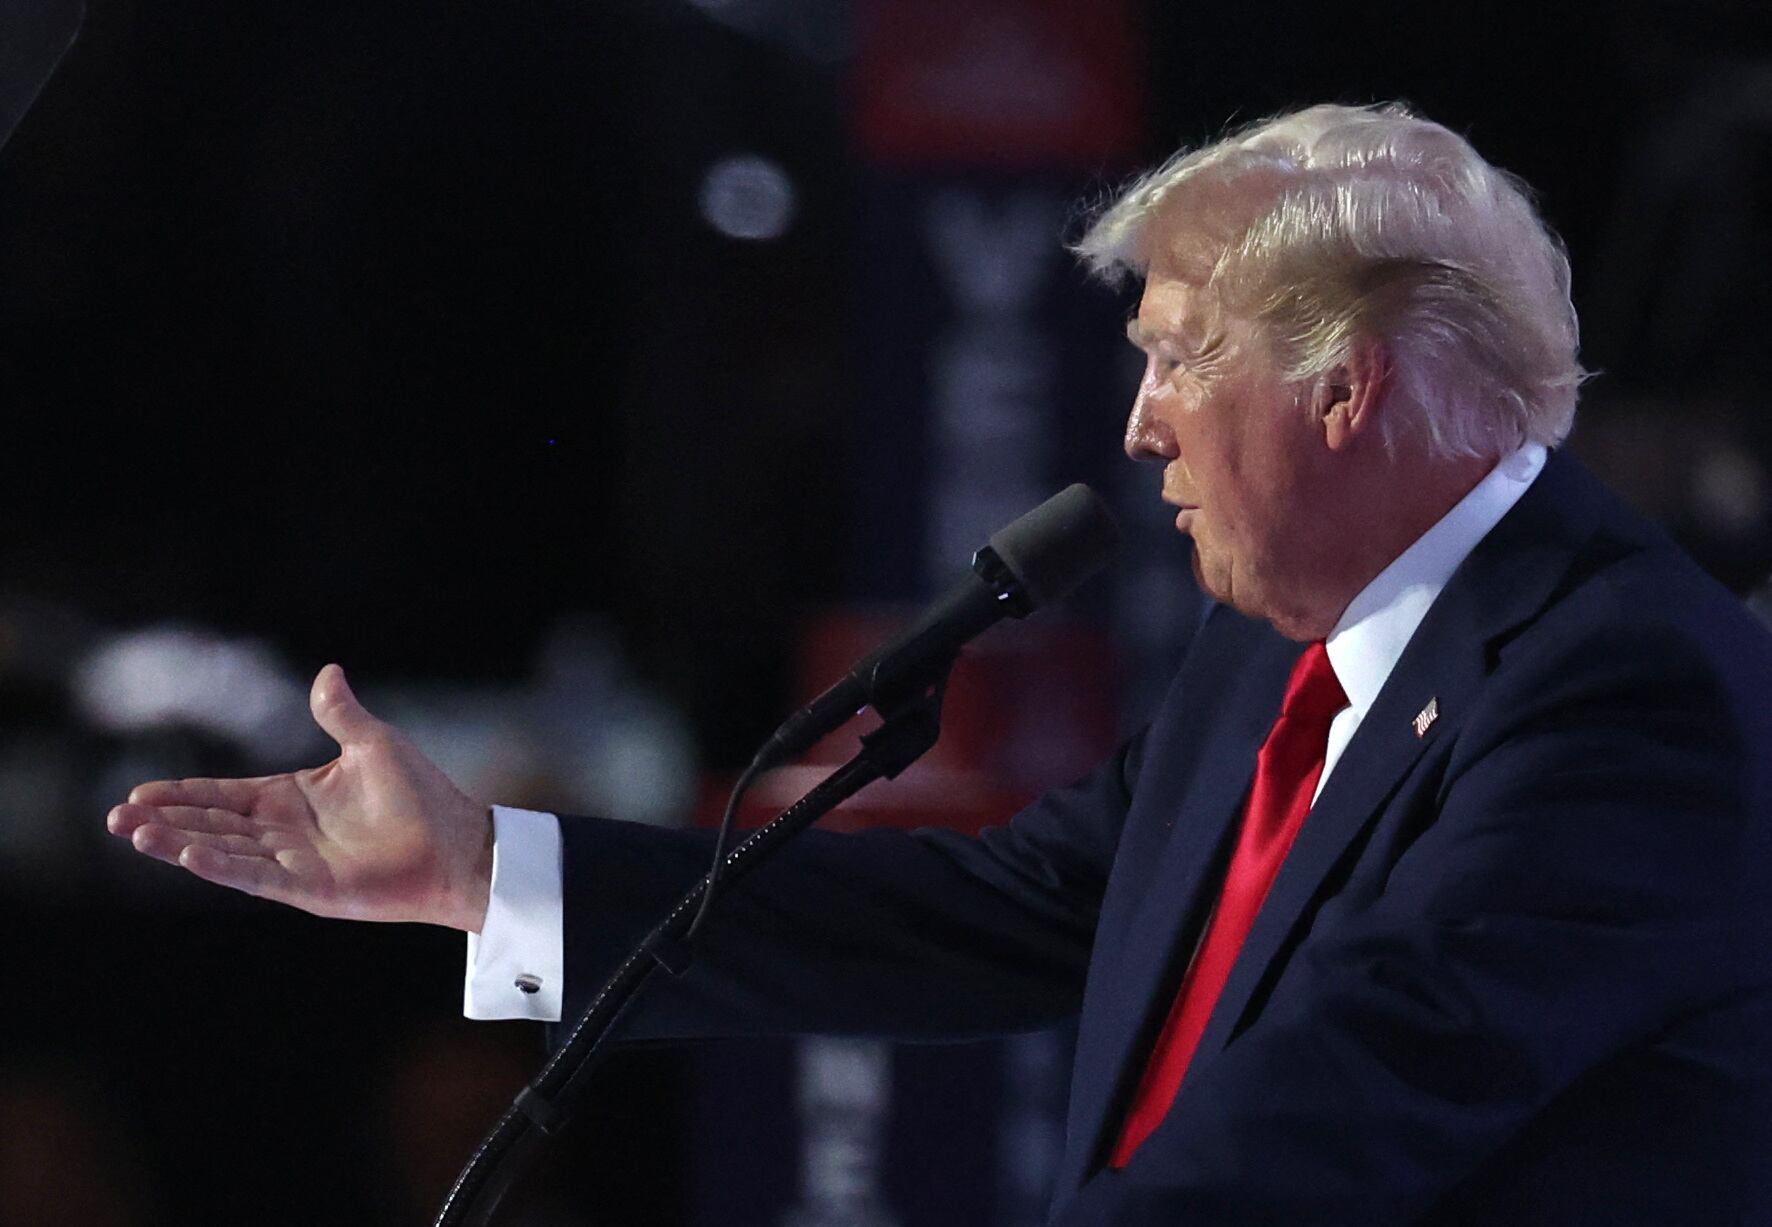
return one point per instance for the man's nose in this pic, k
(1147, 437)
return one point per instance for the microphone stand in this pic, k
(543, 1108)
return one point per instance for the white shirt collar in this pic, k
(1378, 623)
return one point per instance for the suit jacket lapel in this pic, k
(1374, 763)
(1244, 666)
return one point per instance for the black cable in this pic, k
(711, 883)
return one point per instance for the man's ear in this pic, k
(1348, 399)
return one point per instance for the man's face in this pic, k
(1235, 443)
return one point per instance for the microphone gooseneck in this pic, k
(1030, 563)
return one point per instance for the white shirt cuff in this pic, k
(516, 962)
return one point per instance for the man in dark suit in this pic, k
(1434, 890)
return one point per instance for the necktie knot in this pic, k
(1313, 691)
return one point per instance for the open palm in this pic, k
(378, 833)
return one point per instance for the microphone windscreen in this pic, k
(1058, 544)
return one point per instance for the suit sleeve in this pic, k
(915, 935)
(1590, 877)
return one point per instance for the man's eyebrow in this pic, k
(1147, 338)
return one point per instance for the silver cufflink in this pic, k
(528, 983)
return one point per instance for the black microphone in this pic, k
(1029, 563)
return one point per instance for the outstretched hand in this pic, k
(378, 833)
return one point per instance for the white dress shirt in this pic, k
(1378, 623)
(515, 963)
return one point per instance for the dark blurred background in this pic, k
(593, 378)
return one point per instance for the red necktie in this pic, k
(1286, 773)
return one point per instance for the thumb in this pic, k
(337, 711)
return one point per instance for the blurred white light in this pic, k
(748, 197)
(1729, 490)
(476, 736)
(171, 675)
(640, 766)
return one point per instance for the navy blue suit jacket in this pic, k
(1515, 970)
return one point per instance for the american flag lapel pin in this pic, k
(1424, 719)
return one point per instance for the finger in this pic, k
(256, 875)
(337, 711)
(237, 795)
(125, 819)
(165, 843)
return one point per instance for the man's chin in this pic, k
(1219, 593)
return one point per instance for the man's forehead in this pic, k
(1171, 306)
(1184, 253)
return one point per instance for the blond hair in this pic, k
(1334, 222)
